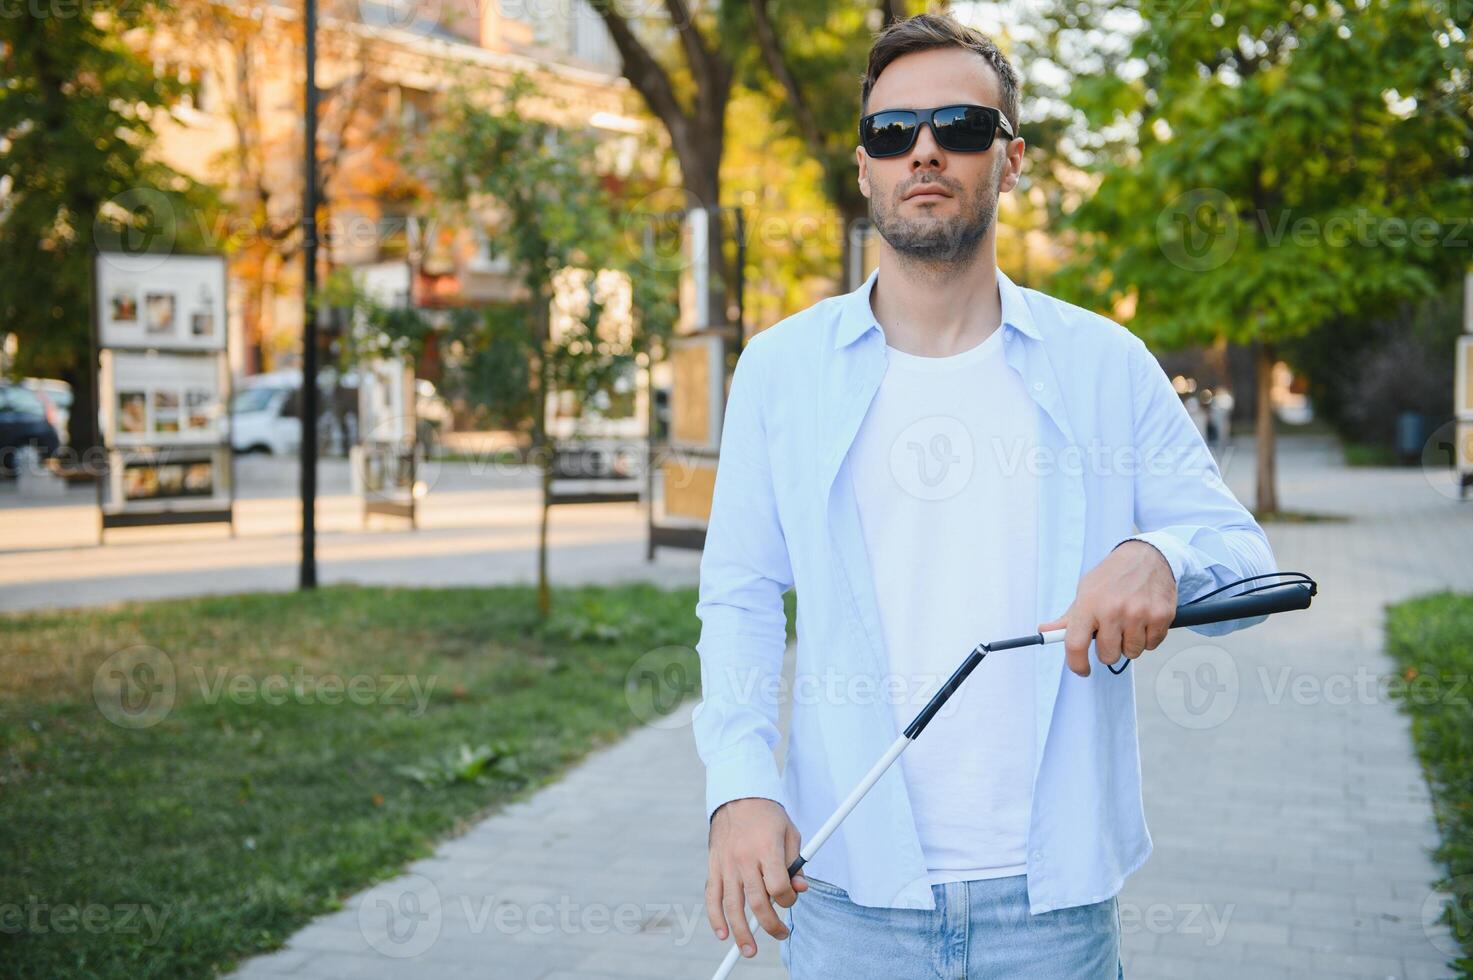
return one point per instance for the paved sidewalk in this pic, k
(1290, 818)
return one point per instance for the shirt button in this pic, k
(1038, 855)
(1038, 386)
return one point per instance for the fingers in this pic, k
(1133, 639)
(1157, 629)
(1079, 629)
(714, 913)
(732, 899)
(760, 903)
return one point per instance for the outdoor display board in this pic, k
(685, 469)
(385, 461)
(163, 389)
(174, 302)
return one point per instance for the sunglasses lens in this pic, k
(889, 133)
(964, 128)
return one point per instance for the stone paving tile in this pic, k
(1291, 822)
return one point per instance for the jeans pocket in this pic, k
(825, 888)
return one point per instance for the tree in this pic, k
(550, 210)
(810, 50)
(77, 119)
(1291, 163)
(246, 48)
(691, 104)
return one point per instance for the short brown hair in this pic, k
(925, 31)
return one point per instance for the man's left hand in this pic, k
(1125, 604)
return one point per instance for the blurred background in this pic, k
(362, 368)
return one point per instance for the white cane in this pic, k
(1258, 601)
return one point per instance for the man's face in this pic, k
(930, 227)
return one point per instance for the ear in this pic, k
(1013, 167)
(862, 159)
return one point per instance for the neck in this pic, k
(936, 310)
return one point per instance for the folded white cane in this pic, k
(1258, 601)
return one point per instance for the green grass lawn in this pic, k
(1431, 638)
(225, 822)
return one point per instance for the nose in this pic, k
(927, 150)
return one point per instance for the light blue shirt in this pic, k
(1117, 453)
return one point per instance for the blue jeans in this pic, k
(979, 929)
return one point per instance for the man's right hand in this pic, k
(751, 844)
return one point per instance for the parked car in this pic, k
(56, 396)
(23, 424)
(265, 415)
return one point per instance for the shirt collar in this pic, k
(857, 316)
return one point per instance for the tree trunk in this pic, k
(542, 443)
(82, 459)
(1268, 494)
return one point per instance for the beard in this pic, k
(950, 240)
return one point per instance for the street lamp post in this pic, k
(308, 577)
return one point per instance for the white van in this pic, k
(266, 416)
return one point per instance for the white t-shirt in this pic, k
(948, 506)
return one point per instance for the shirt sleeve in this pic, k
(744, 572)
(1182, 506)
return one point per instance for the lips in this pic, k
(925, 192)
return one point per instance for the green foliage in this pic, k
(467, 765)
(1431, 640)
(536, 190)
(1289, 163)
(77, 113)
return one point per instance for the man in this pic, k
(937, 459)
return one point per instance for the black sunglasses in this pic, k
(959, 128)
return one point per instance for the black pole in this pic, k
(308, 578)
